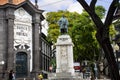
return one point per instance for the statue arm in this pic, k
(59, 22)
(67, 22)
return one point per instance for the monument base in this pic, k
(64, 60)
(64, 55)
(63, 76)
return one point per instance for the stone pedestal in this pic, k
(64, 55)
(64, 60)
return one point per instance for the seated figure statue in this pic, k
(63, 23)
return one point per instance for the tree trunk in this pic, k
(103, 33)
(109, 54)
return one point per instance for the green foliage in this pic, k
(53, 62)
(100, 11)
(82, 31)
(112, 31)
(83, 36)
(53, 17)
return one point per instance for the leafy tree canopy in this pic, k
(82, 31)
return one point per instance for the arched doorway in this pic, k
(21, 64)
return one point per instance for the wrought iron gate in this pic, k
(21, 64)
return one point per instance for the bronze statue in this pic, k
(63, 23)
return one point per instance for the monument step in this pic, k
(25, 79)
(63, 76)
(64, 79)
(75, 79)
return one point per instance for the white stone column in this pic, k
(70, 59)
(58, 58)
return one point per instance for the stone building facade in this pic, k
(46, 52)
(20, 38)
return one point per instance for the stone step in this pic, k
(74, 79)
(25, 79)
(54, 79)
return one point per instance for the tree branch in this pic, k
(111, 11)
(92, 4)
(92, 13)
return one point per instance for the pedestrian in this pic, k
(40, 76)
(10, 75)
(13, 74)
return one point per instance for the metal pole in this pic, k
(36, 1)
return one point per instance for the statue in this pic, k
(63, 23)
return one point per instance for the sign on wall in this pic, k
(22, 30)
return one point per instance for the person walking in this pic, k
(10, 75)
(13, 74)
(40, 76)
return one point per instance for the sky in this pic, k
(55, 5)
(70, 5)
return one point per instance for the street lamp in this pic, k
(116, 48)
(2, 63)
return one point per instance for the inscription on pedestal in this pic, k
(63, 39)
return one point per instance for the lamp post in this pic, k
(116, 48)
(96, 70)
